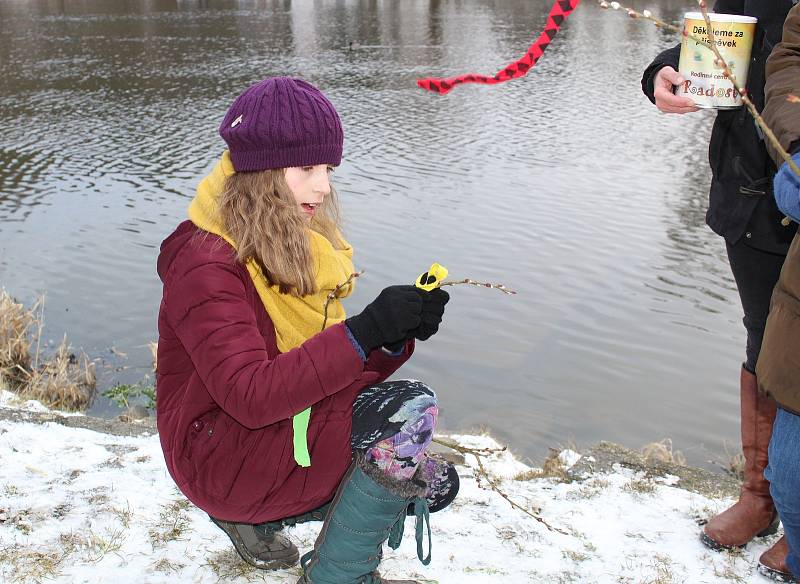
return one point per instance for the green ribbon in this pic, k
(300, 427)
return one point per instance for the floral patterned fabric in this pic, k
(393, 424)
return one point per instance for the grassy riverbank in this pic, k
(62, 379)
(90, 500)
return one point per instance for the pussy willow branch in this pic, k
(500, 287)
(335, 291)
(711, 45)
(479, 453)
(332, 294)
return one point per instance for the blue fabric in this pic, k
(356, 346)
(783, 474)
(787, 189)
(361, 352)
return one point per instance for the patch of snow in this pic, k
(502, 462)
(669, 479)
(103, 508)
(569, 457)
(10, 400)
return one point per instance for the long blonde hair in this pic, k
(260, 214)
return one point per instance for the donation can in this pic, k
(705, 79)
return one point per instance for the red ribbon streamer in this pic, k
(558, 14)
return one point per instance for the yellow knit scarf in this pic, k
(296, 319)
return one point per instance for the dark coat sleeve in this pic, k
(671, 57)
(729, 6)
(208, 309)
(783, 79)
(668, 58)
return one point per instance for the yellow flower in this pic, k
(432, 278)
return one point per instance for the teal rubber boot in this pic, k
(368, 509)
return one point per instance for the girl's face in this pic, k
(309, 185)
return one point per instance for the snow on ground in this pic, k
(80, 506)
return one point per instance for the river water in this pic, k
(566, 185)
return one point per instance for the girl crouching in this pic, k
(265, 418)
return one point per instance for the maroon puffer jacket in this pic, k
(226, 395)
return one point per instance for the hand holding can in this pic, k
(665, 83)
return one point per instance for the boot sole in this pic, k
(241, 549)
(713, 544)
(776, 575)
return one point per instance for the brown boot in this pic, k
(754, 514)
(263, 549)
(772, 563)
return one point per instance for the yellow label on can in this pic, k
(705, 79)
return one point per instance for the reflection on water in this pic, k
(566, 185)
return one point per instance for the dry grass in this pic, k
(662, 568)
(733, 463)
(25, 563)
(124, 515)
(66, 381)
(30, 563)
(11, 490)
(736, 463)
(98, 496)
(16, 325)
(227, 566)
(590, 488)
(153, 346)
(489, 570)
(171, 525)
(552, 467)
(662, 451)
(642, 486)
(575, 556)
(22, 521)
(167, 566)
(91, 546)
(725, 566)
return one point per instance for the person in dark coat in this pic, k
(742, 210)
(272, 406)
(778, 365)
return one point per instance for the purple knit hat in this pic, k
(281, 122)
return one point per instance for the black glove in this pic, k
(388, 319)
(432, 310)
(431, 317)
